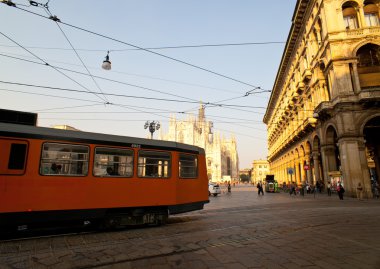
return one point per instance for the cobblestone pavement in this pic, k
(237, 230)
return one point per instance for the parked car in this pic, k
(213, 189)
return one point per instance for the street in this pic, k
(235, 230)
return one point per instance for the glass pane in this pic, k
(113, 162)
(154, 164)
(371, 19)
(17, 157)
(64, 159)
(188, 166)
(351, 22)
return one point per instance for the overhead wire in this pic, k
(140, 48)
(57, 20)
(106, 79)
(66, 107)
(124, 95)
(136, 120)
(120, 105)
(46, 63)
(76, 53)
(159, 55)
(160, 48)
(136, 75)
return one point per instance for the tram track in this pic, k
(189, 234)
(177, 220)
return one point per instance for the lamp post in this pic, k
(153, 126)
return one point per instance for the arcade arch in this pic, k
(371, 133)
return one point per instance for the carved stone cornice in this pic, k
(295, 30)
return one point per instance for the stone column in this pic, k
(303, 178)
(316, 167)
(294, 175)
(366, 177)
(308, 172)
(355, 78)
(354, 165)
(361, 18)
(297, 173)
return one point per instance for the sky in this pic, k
(168, 57)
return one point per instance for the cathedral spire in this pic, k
(201, 113)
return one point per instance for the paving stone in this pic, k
(275, 231)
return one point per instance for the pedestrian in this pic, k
(359, 191)
(292, 189)
(376, 191)
(229, 187)
(341, 191)
(328, 188)
(260, 188)
(318, 186)
(302, 189)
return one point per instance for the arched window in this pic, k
(369, 66)
(369, 55)
(350, 16)
(371, 14)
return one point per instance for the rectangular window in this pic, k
(64, 159)
(111, 162)
(13, 154)
(188, 166)
(350, 22)
(371, 19)
(154, 164)
(17, 157)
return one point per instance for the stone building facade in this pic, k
(221, 153)
(260, 168)
(323, 115)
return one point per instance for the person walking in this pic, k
(328, 188)
(359, 191)
(293, 189)
(260, 188)
(341, 191)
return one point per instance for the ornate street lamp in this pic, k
(153, 126)
(107, 63)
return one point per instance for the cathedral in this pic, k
(221, 154)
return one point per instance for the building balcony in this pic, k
(369, 95)
(369, 76)
(355, 33)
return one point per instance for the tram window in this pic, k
(17, 157)
(154, 164)
(188, 166)
(111, 162)
(64, 159)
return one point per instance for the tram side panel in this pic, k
(192, 184)
(32, 192)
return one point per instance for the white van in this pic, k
(213, 189)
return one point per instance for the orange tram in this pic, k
(49, 177)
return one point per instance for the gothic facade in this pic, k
(221, 154)
(323, 115)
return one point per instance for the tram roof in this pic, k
(26, 131)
